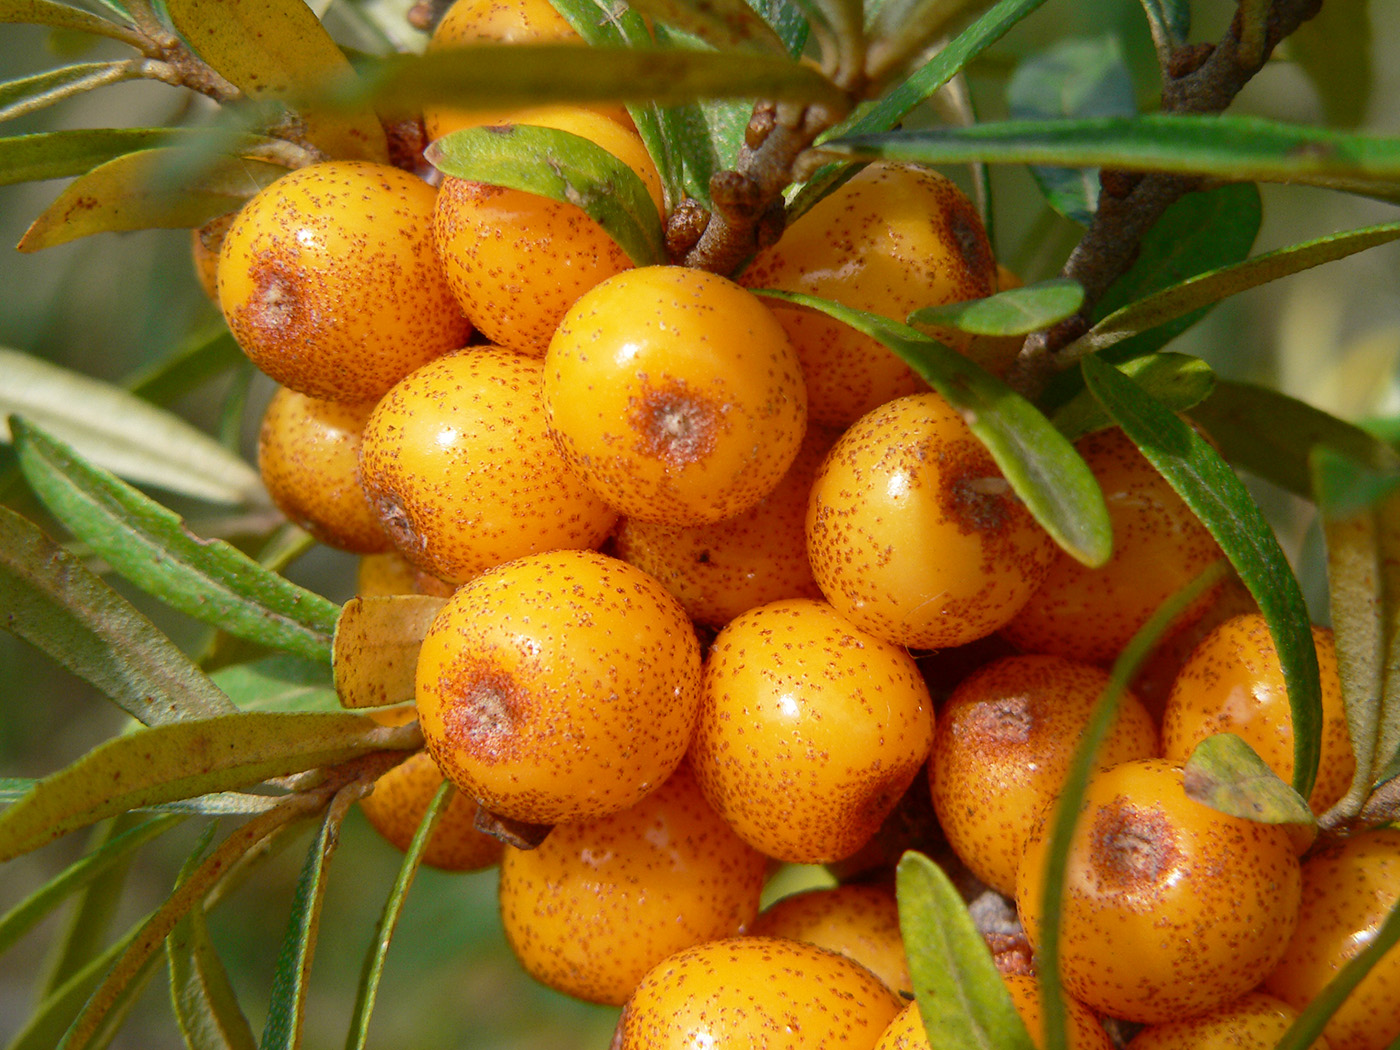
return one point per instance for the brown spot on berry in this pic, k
(487, 707)
(674, 424)
(1131, 845)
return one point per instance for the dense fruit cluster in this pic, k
(589, 459)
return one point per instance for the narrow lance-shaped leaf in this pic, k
(133, 192)
(123, 433)
(1170, 20)
(278, 50)
(29, 94)
(279, 683)
(150, 546)
(376, 647)
(207, 354)
(66, 16)
(1177, 381)
(1228, 775)
(1044, 469)
(368, 989)
(563, 167)
(962, 998)
(721, 23)
(54, 603)
(1016, 311)
(187, 759)
(62, 154)
(1219, 499)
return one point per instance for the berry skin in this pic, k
(756, 992)
(675, 394)
(559, 687)
(1252, 1022)
(1159, 547)
(809, 731)
(205, 243)
(309, 455)
(598, 904)
(913, 533)
(1233, 683)
(859, 921)
(1003, 747)
(459, 464)
(392, 573)
(1085, 1033)
(329, 281)
(1348, 889)
(1171, 908)
(893, 239)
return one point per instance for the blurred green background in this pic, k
(109, 305)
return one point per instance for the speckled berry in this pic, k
(392, 573)
(859, 921)
(1252, 1022)
(1084, 1031)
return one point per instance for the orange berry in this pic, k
(1233, 683)
(1159, 547)
(598, 904)
(392, 573)
(1348, 890)
(675, 394)
(1171, 908)
(914, 534)
(757, 992)
(1085, 1033)
(809, 730)
(1003, 747)
(459, 464)
(1252, 1022)
(329, 281)
(891, 240)
(205, 243)
(559, 687)
(860, 922)
(309, 457)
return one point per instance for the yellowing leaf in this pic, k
(376, 647)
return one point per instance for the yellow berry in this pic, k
(859, 921)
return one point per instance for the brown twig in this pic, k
(1197, 78)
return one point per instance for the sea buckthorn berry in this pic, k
(459, 464)
(1084, 1031)
(915, 535)
(401, 796)
(1252, 1022)
(517, 261)
(1159, 547)
(1003, 747)
(1171, 908)
(675, 394)
(392, 573)
(559, 687)
(893, 239)
(1348, 890)
(329, 281)
(309, 455)
(598, 904)
(809, 731)
(1233, 683)
(860, 922)
(723, 569)
(756, 992)
(205, 243)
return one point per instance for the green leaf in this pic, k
(279, 683)
(1170, 19)
(111, 854)
(1334, 50)
(962, 997)
(119, 431)
(1272, 435)
(65, 16)
(602, 24)
(209, 580)
(1217, 496)
(1205, 289)
(1177, 381)
(185, 759)
(563, 167)
(1240, 149)
(206, 355)
(787, 21)
(1228, 775)
(278, 50)
(133, 192)
(721, 23)
(1017, 311)
(62, 154)
(368, 989)
(376, 647)
(29, 94)
(1072, 78)
(51, 601)
(1043, 468)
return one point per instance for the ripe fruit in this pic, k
(205, 243)
(459, 464)
(1233, 683)
(392, 573)
(309, 457)
(675, 394)
(861, 922)
(893, 239)
(329, 281)
(914, 534)
(559, 687)
(598, 904)
(1171, 908)
(1003, 747)
(1159, 547)
(809, 730)
(1252, 1022)
(758, 992)
(1085, 1033)
(1348, 890)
